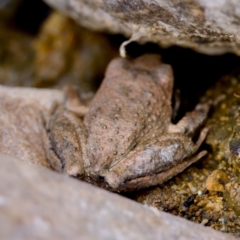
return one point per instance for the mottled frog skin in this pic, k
(126, 140)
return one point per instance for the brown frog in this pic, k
(126, 140)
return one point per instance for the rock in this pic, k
(36, 203)
(216, 181)
(61, 53)
(66, 53)
(210, 27)
(22, 115)
(16, 53)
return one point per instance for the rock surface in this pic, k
(210, 27)
(22, 114)
(36, 203)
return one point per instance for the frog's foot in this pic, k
(154, 163)
(63, 145)
(191, 121)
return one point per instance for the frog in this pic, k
(125, 140)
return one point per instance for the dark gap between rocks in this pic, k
(27, 15)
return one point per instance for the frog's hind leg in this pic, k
(191, 121)
(157, 161)
(163, 157)
(159, 178)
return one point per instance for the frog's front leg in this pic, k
(65, 143)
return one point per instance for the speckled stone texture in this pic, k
(36, 203)
(23, 114)
(210, 27)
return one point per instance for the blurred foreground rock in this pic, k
(210, 27)
(22, 114)
(36, 203)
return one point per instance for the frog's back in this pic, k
(132, 105)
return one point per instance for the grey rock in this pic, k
(22, 118)
(36, 203)
(210, 27)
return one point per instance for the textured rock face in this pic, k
(210, 27)
(22, 118)
(36, 203)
